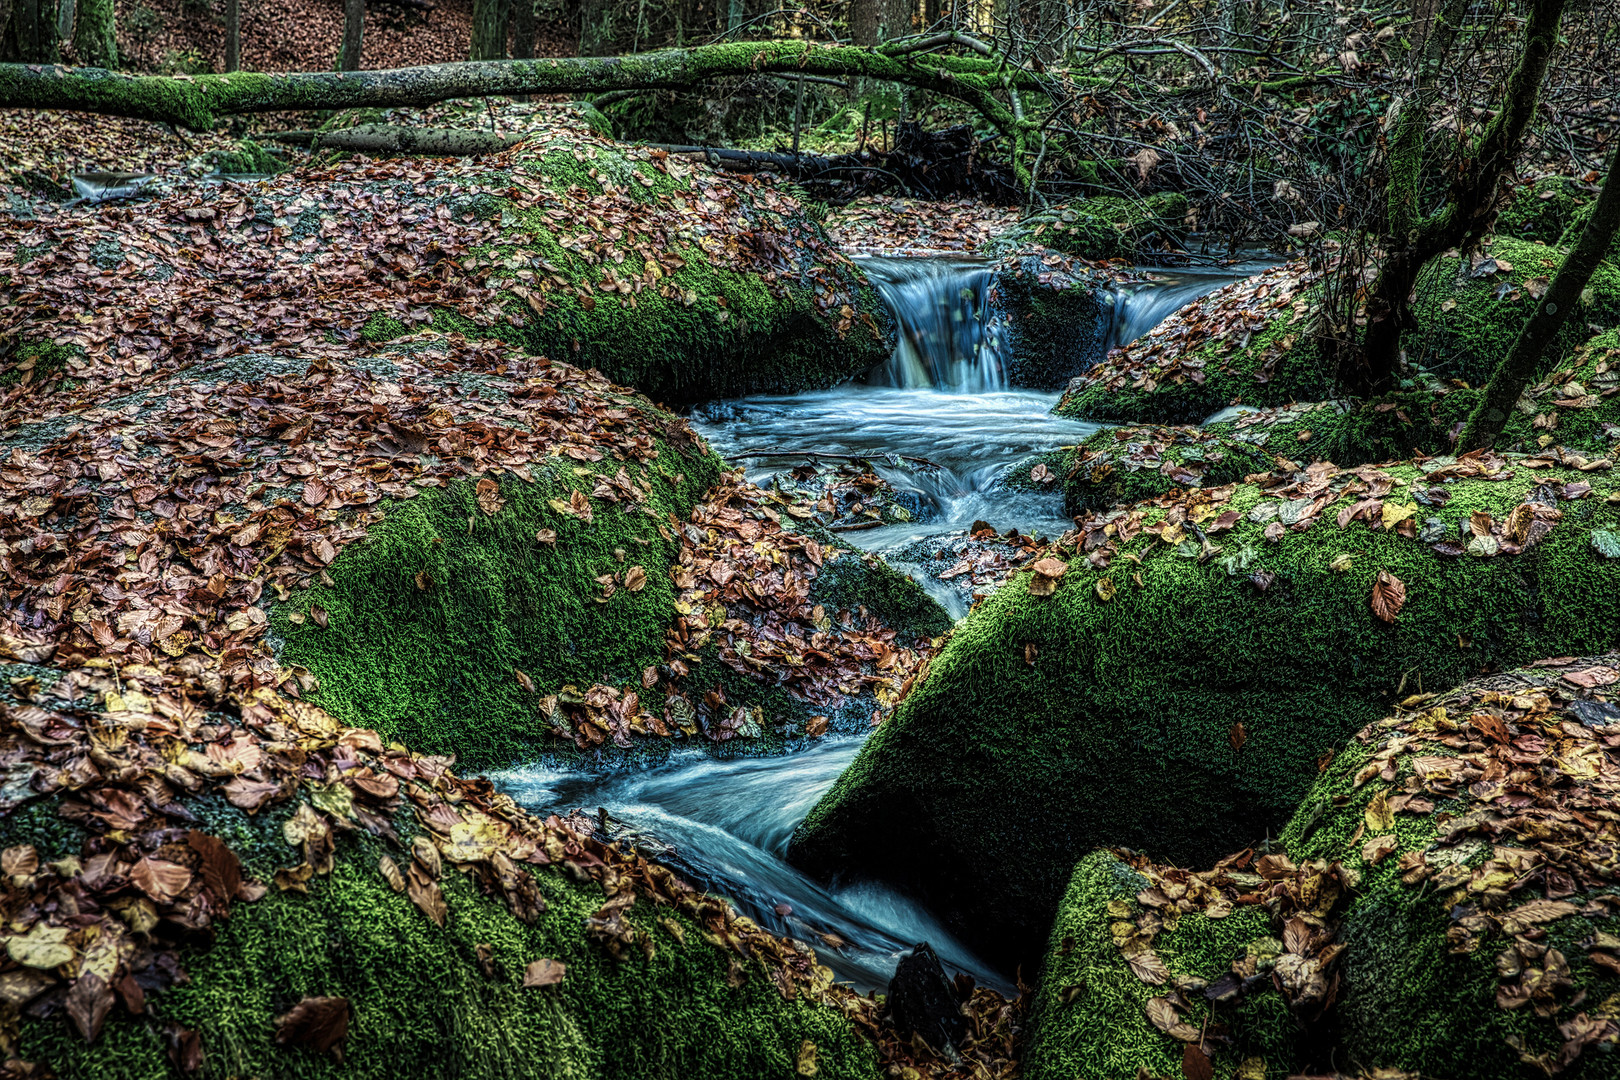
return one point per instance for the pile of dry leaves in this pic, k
(891, 225)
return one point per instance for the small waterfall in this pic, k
(1140, 306)
(948, 340)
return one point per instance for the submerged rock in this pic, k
(1170, 678)
(1442, 902)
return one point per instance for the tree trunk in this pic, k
(489, 29)
(23, 36)
(354, 26)
(195, 102)
(233, 35)
(523, 29)
(872, 22)
(1523, 363)
(397, 139)
(95, 35)
(1413, 238)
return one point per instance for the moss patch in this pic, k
(1050, 725)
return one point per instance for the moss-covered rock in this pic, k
(1542, 210)
(1050, 322)
(408, 906)
(1105, 227)
(1470, 312)
(1433, 906)
(1202, 652)
(1123, 465)
(1247, 343)
(1135, 947)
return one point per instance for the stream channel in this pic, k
(725, 824)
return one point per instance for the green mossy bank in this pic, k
(1574, 410)
(1250, 343)
(683, 283)
(1466, 927)
(1103, 227)
(1109, 712)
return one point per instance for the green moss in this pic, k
(1104, 226)
(249, 157)
(1541, 211)
(38, 363)
(1052, 328)
(1116, 466)
(1588, 385)
(432, 663)
(1089, 1019)
(858, 580)
(380, 328)
(1051, 725)
(1467, 326)
(422, 1009)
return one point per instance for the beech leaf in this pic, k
(1388, 596)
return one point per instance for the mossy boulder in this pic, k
(1576, 406)
(1133, 944)
(1542, 210)
(1249, 343)
(1432, 907)
(1470, 311)
(423, 924)
(1051, 324)
(685, 283)
(1208, 663)
(1122, 465)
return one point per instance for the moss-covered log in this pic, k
(195, 102)
(1174, 689)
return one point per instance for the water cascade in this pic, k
(941, 398)
(724, 826)
(948, 336)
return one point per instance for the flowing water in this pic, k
(725, 825)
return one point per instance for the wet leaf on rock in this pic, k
(1388, 596)
(544, 972)
(320, 1024)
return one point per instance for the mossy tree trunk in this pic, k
(489, 29)
(354, 26)
(95, 33)
(1524, 361)
(1413, 237)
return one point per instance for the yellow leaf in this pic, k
(1379, 816)
(1340, 563)
(1394, 513)
(1105, 589)
(43, 947)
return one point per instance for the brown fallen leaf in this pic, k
(1237, 735)
(544, 972)
(635, 579)
(220, 868)
(160, 879)
(489, 496)
(88, 1003)
(1388, 596)
(1195, 1064)
(320, 1024)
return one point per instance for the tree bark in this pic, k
(95, 35)
(489, 29)
(399, 140)
(523, 29)
(354, 27)
(233, 35)
(1413, 238)
(872, 22)
(1523, 363)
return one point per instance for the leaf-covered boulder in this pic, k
(682, 282)
(1170, 679)
(1543, 210)
(260, 890)
(1050, 323)
(1248, 342)
(1105, 226)
(1442, 902)
(475, 551)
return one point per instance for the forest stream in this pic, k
(941, 397)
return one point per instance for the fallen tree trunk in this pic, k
(399, 139)
(196, 102)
